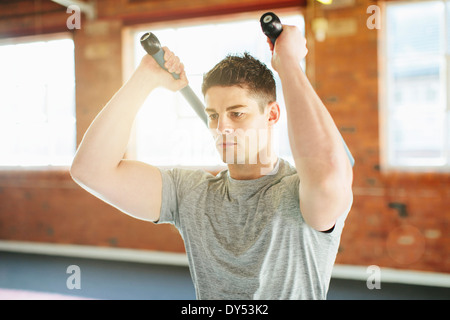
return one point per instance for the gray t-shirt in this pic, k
(247, 239)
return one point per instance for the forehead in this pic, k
(219, 98)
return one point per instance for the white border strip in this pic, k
(93, 252)
(433, 279)
(351, 272)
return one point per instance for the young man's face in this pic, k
(242, 133)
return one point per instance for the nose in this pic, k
(224, 127)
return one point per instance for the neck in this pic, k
(252, 171)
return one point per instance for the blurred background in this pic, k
(381, 68)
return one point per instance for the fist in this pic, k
(289, 48)
(162, 78)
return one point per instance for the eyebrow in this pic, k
(228, 108)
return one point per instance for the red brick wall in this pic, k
(47, 206)
(398, 220)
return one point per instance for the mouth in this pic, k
(225, 141)
(226, 144)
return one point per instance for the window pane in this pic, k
(168, 130)
(37, 114)
(416, 28)
(416, 84)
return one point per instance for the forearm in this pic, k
(106, 140)
(315, 141)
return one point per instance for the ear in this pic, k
(273, 113)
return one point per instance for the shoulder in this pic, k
(181, 174)
(286, 168)
(184, 178)
(288, 175)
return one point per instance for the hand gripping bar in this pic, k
(152, 46)
(272, 28)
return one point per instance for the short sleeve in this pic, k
(292, 182)
(169, 202)
(177, 184)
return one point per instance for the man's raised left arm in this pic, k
(320, 157)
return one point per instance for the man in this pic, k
(262, 229)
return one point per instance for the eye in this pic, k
(213, 116)
(237, 114)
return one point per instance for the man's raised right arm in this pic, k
(133, 187)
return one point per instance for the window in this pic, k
(168, 131)
(416, 115)
(37, 98)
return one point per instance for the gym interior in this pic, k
(380, 67)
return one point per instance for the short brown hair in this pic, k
(244, 71)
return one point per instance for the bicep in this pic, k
(321, 207)
(133, 187)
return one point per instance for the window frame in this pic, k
(128, 57)
(383, 96)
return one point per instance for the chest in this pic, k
(238, 225)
